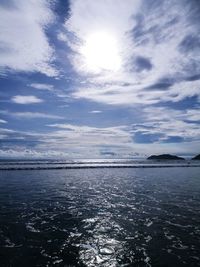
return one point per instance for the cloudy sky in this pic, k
(107, 78)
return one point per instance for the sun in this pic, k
(101, 52)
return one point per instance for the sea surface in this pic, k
(99, 213)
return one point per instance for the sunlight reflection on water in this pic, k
(100, 217)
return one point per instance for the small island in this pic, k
(197, 157)
(165, 157)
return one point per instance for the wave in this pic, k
(90, 164)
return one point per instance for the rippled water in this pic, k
(100, 217)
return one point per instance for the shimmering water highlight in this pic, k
(100, 217)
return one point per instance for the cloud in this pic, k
(117, 94)
(70, 140)
(193, 115)
(30, 115)
(24, 45)
(112, 14)
(23, 99)
(158, 43)
(24, 153)
(149, 93)
(4, 130)
(189, 44)
(34, 115)
(45, 151)
(108, 153)
(86, 136)
(95, 111)
(42, 86)
(162, 125)
(111, 131)
(127, 140)
(182, 90)
(3, 121)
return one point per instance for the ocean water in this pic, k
(100, 216)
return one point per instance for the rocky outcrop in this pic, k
(197, 157)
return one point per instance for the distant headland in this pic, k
(170, 157)
(165, 157)
(197, 157)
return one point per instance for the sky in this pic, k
(99, 79)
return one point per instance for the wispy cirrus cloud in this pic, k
(34, 115)
(30, 115)
(161, 125)
(119, 94)
(3, 121)
(87, 135)
(26, 99)
(42, 86)
(24, 46)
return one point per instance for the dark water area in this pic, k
(100, 217)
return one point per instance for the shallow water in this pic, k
(100, 217)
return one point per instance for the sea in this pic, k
(105, 213)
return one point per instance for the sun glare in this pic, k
(101, 52)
